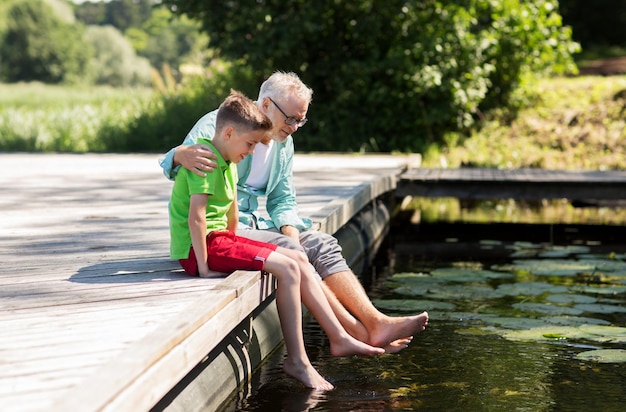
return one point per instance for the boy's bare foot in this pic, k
(306, 374)
(350, 346)
(397, 345)
(393, 328)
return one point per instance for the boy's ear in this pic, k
(227, 132)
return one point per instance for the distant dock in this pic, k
(482, 183)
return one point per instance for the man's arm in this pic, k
(197, 228)
(190, 155)
(292, 232)
(197, 158)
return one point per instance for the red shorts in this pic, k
(228, 252)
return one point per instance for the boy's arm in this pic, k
(233, 217)
(197, 227)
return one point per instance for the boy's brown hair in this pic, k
(242, 114)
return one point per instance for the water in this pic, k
(470, 358)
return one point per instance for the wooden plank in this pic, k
(145, 372)
(88, 283)
(478, 183)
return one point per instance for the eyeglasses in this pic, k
(290, 120)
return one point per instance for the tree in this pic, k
(390, 74)
(115, 62)
(38, 45)
(170, 40)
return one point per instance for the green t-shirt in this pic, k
(220, 185)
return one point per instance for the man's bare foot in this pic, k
(350, 346)
(394, 328)
(397, 345)
(306, 374)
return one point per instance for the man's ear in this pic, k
(265, 104)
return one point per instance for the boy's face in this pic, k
(242, 144)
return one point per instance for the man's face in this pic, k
(292, 107)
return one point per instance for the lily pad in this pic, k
(574, 320)
(529, 289)
(563, 251)
(526, 245)
(547, 308)
(603, 355)
(469, 275)
(524, 254)
(606, 265)
(595, 333)
(570, 298)
(458, 292)
(606, 334)
(599, 308)
(515, 323)
(600, 290)
(412, 305)
(548, 267)
(544, 334)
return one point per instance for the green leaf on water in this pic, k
(570, 298)
(574, 320)
(548, 267)
(412, 305)
(607, 290)
(468, 275)
(594, 333)
(563, 251)
(515, 323)
(547, 308)
(603, 355)
(599, 308)
(529, 289)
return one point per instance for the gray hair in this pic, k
(280, 83)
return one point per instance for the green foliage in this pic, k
(39, 45)
(171, 115)
(573, 123)
(170, 40)
(115, 62)
(38, 117)
(393, 74)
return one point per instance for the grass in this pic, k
(573, 123)
(38, 117)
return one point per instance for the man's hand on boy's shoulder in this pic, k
(197, 158)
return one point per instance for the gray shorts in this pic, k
(322, 249)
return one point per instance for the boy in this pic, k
(203, 222)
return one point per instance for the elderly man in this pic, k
(285, 99)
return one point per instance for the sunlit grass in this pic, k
(574, 123)
(38, 117)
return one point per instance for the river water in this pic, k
(522, 318)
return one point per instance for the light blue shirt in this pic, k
(280, 192)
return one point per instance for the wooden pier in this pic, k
(536, 184)
(93, 314)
